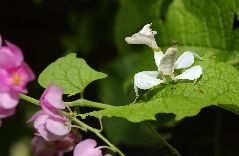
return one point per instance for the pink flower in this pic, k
(14, 76)
(50, 127)
(16, 79)
(88, 148)
(48, 122)
(10, 56)
(41, 147)
(51, 100)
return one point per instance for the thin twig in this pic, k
(162, 140)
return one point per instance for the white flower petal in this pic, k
(146, 79)
(191, 73)
(158, 57)
(185, 60)
(144, 36)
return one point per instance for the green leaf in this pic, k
(179, 105)
(219, 85)
(71, 73)
(199, 25)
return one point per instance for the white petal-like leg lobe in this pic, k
(185, 60)
(144, 36)
(146, 79)
(197, 56)
(158, 57)
(191, 74)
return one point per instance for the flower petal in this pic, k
(87, 148)
(53, 112)
(6, 112)
(158, 57)
(27, 72)
(4, 80)
(7, 58)
(146, 79)
(8, 100)
(52, 97)
(40, 120)
(36, 115)
(20, 77)
(43, 132)
(17, 52)
(185, 60)
(57, 127)
(0, 41)
(191, 73)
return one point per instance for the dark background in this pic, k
(45, 30)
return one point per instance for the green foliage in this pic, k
(219, 85)
(201, 26)
(71, 73)
(190, 22)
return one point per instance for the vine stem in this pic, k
(93, 130)
(77, 121)
(29, 99)
(80, 102)
(162, 140)
(87, 103)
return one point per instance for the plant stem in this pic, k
(162, 140)
(80, 102)
(29, 99)
(93, 130)
(87, 103)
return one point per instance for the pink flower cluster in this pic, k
(14, 76)
(53, 129)
(48, 122)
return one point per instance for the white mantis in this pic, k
(166, 62)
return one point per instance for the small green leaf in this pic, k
(219, 85)
(71, 73)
